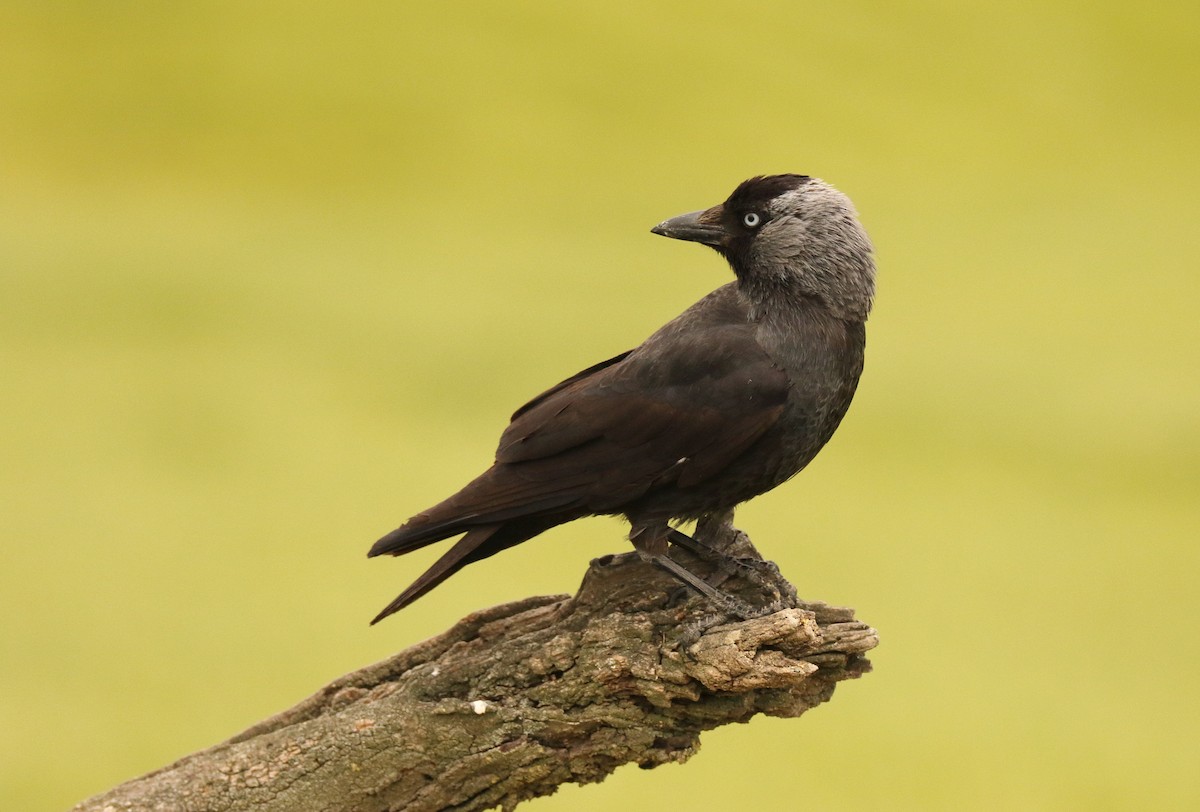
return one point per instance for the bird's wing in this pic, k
(578, 376)
(676, 410)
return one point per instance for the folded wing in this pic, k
(672, 413)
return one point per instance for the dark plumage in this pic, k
(725, 402)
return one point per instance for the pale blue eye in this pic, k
(751, 219)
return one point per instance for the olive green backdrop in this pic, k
(273, 275)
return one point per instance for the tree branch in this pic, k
(517, 699)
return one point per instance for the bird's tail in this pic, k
(415, 534)
(450, 517)
(471, 547)
(478, 544)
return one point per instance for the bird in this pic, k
(725, 402)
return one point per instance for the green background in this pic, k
(273, 275)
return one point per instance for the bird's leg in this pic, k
(651, 544)
(714, 535)
(716, 531)
(763, 574)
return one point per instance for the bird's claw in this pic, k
(762, 573)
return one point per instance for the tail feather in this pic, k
(495, 497)
(407, 538)
(476, 545)
(451, 562)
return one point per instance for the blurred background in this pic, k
(272, 278)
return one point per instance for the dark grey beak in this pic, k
(697, 226)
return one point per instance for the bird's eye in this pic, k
(751, 219)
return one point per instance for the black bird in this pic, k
(725, 402)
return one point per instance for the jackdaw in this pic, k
(730, 399)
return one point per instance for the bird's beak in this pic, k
(697, 226)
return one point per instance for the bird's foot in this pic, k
(691, 631)
(734, 606)
(763, 574)
(766, 576)
(730, 604)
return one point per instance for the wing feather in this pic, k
(674, 412)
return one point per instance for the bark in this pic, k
(517, 699)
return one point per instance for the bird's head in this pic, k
(787, 235)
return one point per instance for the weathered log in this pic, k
(515, 700)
